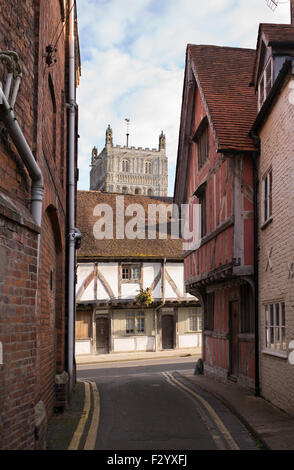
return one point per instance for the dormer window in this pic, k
(265, 83)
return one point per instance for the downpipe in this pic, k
(26, 155)
(72, 233)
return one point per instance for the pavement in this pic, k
(272, 428)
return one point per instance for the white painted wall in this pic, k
(83, 346)
(190, 340)
(110, 272)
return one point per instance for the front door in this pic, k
(234, 339)
(167, 332)
(102, 335)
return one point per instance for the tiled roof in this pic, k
(121, 248)
(277, 32)
(224, 75)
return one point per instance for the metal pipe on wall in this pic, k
(71, 196)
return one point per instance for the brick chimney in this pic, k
(292, 11)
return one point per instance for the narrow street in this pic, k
(152, 406)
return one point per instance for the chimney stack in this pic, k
(292, 11)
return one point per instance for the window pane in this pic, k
(277, 315)
(193, 322)
(270, 193)
(126, 273)
(136, 273)
(130, 325)
(265, 198)
(271, 315)
(283, 318)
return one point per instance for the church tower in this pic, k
(130, 170)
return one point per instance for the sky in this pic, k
(133, 59)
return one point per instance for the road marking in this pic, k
(222, 428)
(74, 444)
(92, 434)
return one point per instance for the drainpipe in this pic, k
(256, 275)
(163, 299)
(256, 264)
(71, 196)
(26, 155)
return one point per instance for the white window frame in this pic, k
(275, 328)
(267, 195)
(265, 82)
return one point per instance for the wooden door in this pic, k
(234, 339)
(167, 332)
(102, 335)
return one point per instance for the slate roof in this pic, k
(91, 248)
(224, 75)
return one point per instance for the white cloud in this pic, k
(133, 54)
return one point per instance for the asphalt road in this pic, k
(149, 405)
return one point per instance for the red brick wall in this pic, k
(33, 338)
(18, 254)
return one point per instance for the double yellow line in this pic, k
(92, 433)
(209, 416)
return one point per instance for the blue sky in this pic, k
(133, 57)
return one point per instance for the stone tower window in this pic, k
(137, 191)
(148, 168)
(150, 192)
(125, 166)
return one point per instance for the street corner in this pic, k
(62, 426)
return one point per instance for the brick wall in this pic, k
(277, 150)
(33, 319)
(18, 278)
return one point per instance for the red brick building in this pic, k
(37, 41)
(215, 169)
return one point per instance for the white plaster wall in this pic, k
(89, 292)
(101, 292)
(134, 343)
(83, 347)
(144, 343)
(190, 340)
(176, 272)
(150, 271)
(83, 271)
(129, 290)
(123, 344)
(110, 272)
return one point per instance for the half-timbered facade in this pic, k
(215, 170)
(111, 272)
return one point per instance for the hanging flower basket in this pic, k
(144, 297)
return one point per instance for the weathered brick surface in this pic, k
(277, 150)
(32, 311)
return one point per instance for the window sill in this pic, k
(281, 355)
(266, 223)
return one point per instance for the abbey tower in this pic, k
(130, 170)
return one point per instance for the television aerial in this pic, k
(272, 4)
